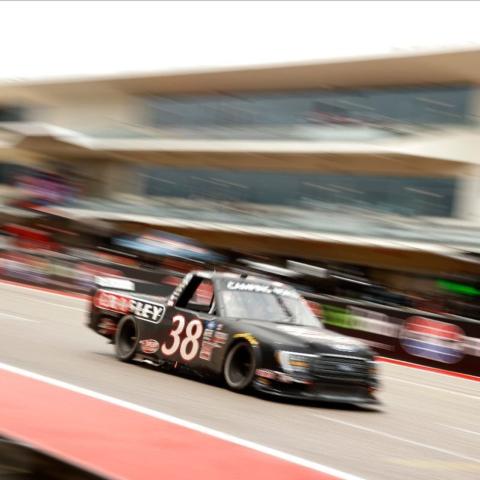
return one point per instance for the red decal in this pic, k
(268, 374)
(107, 326)
(149, 346)
(206, 351)
(112, 301)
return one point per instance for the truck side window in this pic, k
(198, 296)
(202, 298)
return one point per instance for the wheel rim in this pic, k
(128, 338)
(239, 366)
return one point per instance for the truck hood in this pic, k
(313, 339)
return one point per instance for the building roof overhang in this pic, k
(455, 67)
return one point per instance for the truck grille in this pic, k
(340, 367)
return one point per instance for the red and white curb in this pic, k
(120, 439)
(426, 368)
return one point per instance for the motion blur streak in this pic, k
(444, 390)
(400, 439)
(354, 181)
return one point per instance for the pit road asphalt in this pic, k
(428, 426)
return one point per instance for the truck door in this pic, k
(185, 323)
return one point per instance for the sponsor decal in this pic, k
(263, 373)
(212, 338)
(107, 326)
(220, 338)
(266, 374)
(150, 312)
(207, 334)
(206, 351)
(142, 309)
(248, 337)
(261, 288)
(112, 301)
(149, 346)
(432, 339)
(211, 325)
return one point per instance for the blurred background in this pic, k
(361, 162)
(330, 145)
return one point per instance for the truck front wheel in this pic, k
(239, 366)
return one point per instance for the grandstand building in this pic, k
(364, 147)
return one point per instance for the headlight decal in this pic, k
(294, 362)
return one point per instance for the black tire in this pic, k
(126, 339)
(239, 366)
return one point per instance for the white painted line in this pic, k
(18, 317)
(53, 304)
(418, 367)
(184, 423)
(33, 296)
(399, 439)
(60, 305)
(459, 429)
(430, 387)
(34, 289)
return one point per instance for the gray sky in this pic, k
(59, 39)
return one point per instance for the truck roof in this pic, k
(212, 275)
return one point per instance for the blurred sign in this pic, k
(448, 342)
(167, 245)
(26, 237)
(428, 338)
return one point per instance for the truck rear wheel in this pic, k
(239, 366)
(126, 339)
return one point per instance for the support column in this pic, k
(114, 180)
(467, 198)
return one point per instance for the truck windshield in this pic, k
(268, 307)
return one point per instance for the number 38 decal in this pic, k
(190, 345)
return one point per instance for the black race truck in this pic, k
(248, 331)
